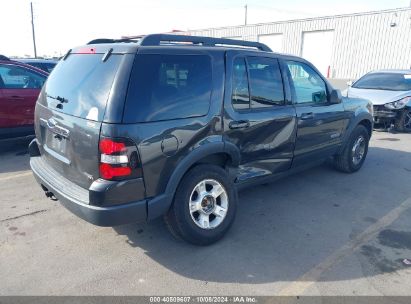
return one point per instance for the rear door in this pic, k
(320, 124)
(70, 111)
(259, 117)
(20, 88)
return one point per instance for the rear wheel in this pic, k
(403, 124)
(204, 206)
(354, 153)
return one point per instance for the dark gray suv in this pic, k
(130, 130)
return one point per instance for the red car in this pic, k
(20, 85)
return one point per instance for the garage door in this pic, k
(317, 48)
(275, 41)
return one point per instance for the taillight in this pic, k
(108, 171)
(107, 146)
(118, 159)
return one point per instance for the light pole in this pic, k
(245, 16)
(32, 30)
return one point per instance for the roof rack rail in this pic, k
(108, 40)
(157, 39)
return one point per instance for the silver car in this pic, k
(390, 93)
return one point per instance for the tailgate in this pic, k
(69, 113)
(69, 144)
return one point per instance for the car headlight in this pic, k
(399, 104)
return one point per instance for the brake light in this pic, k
(85, 51)
(118, 159)
(107, 146)
(108, 171)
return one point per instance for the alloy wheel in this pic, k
(358, 150)
(407, 121)
(208, 204)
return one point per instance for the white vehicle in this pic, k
(390, 93)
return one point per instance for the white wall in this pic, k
(234, 37)
(362, 42)
(274, 41)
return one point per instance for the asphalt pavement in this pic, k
(320, 232)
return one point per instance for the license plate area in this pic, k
(55, 146)
(56, 142)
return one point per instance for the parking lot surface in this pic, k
(319, 232)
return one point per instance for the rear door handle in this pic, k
(305, 116)
(239, 124)
(17, 97)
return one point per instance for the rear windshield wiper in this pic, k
(58, 98)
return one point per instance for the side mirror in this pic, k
(349, 83)
(335, 96)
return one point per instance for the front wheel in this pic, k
(352, 157)
(204, 206)
(403, 124)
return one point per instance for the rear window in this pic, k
(384, 81)
(80, 85)
(164, 87)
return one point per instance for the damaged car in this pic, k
(390, 93)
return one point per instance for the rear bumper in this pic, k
(77, 203)
(87, 203)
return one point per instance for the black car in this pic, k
(46, 65)
(130, 130)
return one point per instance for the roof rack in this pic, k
(160, 39)
(108, 40)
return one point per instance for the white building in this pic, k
(341, 46)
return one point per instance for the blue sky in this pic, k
(62, 24)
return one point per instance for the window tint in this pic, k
(384, 81)
(308, 85)
(36, 64)
(240, 96)
(166, 87)
(49, 66)
(14, 77)
(84, 82)
(266, 84)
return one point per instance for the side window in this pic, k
(308, 85)
(13, 77)
(164, 87)
(240, 95)
(49, 67)
(266, 84)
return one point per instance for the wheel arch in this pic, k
(217, 153)
(368, 125)
(364, 119)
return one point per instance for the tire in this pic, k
(403, 124)
(204, 193)
(352, 157)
